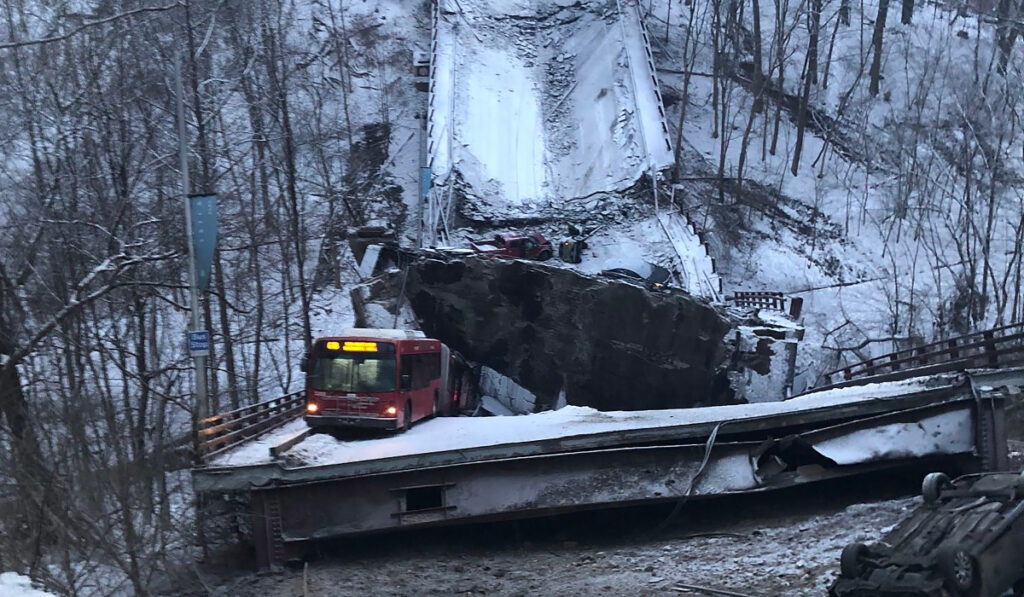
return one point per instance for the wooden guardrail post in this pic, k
(990, 348)
(954, 350)
(923, 355)
(796, 306)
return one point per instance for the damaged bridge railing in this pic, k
(990, 348)
(226, 430)
(771, 300)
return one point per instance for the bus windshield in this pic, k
(354, 373)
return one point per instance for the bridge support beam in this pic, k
(288, 517)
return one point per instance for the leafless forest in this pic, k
(292, 111)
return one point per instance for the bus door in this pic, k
(420, 380)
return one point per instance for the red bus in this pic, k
(377, 378)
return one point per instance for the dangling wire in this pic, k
(671, 518)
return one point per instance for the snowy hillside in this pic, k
(881, 179)
(901, 219)
(555, 103)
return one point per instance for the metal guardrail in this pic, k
(226, 430)
(654, 71)
(989, 348)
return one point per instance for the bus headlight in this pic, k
(391, 411)
(312, 407)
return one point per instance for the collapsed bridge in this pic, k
(536, 106)
(454, 470)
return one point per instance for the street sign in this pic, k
(199, 343)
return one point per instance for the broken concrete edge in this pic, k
(248, 477)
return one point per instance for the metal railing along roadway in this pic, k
(990, 348)
(226, 430)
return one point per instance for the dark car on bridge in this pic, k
(654, 277)
(965, 540)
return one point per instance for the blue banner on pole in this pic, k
(204, 236)
(424, 182)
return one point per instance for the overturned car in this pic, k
(966, 539)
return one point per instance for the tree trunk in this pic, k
(813, 29)
(277, 74)
(757, 79)
(17, 418)
(1006, 32)
(876, 44)
(908, 12)
(828, 59)
(716, 62)
(802, 118)
(684, 102)
(780, 57)
(225, 331)
(341, 53)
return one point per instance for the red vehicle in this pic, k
(376, 378)
(511, 246)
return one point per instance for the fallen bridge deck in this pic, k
(466, 469)
(463, 439)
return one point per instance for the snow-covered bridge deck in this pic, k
(462, 469)
(567, 428)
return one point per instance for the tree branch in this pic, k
(115, 264)
(84, 26)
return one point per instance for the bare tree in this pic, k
(908, 12)
(876, 45)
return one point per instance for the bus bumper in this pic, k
(352, 421)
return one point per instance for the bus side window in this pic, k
(409, 371)
(422, 369)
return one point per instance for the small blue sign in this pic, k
(199, 343)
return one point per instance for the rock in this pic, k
(608, 345)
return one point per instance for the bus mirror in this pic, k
(406, 381)
(304, 364)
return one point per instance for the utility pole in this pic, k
(198, 356)
(421, 81)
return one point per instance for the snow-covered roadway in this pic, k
(469, 433)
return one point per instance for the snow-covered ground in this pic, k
(16, 585)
